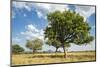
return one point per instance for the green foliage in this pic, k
(34, 44)
(85, 41)
(17, 49)
(55, 43)
(67, 27)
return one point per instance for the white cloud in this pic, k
(32, 32)
(43, 8)
(51, 7)
(18, 4)
(16, 39)
(40, 15)
(59, 7)
(31, 28)
(13, 14)
(85, 11)
(21, 5)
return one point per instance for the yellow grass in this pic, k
(23, 59)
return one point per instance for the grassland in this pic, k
(44, 58)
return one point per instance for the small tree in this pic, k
(34, 44)
(17, 49)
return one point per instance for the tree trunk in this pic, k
(33, 51)
(56, 49)
(64, 51)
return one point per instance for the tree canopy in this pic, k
(17, 49)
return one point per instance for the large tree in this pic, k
(35, 44)
(68, 27)
(17, 49)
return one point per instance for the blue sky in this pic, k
(29, 21)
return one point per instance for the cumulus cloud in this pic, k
(32, 32)
(31, 28)
(85, 11)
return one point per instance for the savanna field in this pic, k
(45, 58)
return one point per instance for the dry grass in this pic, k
(44, 58)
